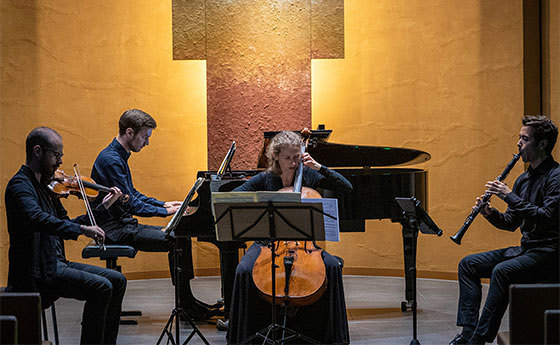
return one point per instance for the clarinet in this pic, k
(476, 210)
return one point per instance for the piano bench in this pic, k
(111, 254)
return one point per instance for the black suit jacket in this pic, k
(37, 224)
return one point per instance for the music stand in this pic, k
(226, 163)
(179, 312)
(271, 222)
(415, 218)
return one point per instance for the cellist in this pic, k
(325, 320)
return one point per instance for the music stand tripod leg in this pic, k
(410, 225)
(178, 311)
(273, 328)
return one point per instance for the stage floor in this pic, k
(373, 306)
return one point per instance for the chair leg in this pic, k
(111, 263)
(55, 325)
(45, 331)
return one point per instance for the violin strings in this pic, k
(86, 202)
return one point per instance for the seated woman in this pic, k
(325, 320)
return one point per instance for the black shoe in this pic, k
(476, 340)
(219, 304)
(222, 325)
(200, 312)
(459, 340)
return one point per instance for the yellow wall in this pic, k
(444, 77)
(76, 66)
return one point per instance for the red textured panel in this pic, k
(258, 56)
(259, 68)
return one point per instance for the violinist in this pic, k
(324, 320)
(111, 169)
(37, 226)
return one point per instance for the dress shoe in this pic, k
(459, 340)
(222, 325)
(200, 312)
(219, 304)
(476, 340)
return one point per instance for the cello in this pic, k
(301, 270)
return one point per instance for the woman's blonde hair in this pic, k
(280, 141)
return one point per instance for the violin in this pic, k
(64, 185)
(301, 269)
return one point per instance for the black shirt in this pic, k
(533, 207)
(37, 224)
(323, 178)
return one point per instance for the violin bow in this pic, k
(86, 203)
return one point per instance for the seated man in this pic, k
(111, 169)
(533, 207)
(38, 224)
(325, 320)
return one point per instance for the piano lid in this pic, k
(342, 155)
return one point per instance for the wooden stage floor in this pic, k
(373, 306)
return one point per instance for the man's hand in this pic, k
(172, 206)
(95, 232)
(497, 188)
(110, 198)
(485, 209)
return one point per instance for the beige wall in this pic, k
(444, 77)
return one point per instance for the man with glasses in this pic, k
(38, 224)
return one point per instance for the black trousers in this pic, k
(531, 266)
(150, 238)
(102, 289)
(324, 320)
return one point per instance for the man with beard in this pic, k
(38, 224)
(533, 207)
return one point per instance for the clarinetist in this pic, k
(533, 207)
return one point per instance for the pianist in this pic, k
(111, 169)
(325, 320)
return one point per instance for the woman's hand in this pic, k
(308, 161)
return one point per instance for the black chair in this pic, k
(26, 308)
(552, 327)
(111, 254)
(527, 306)
(8, 329)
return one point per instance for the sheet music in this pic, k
(330, 207)
(177, 216)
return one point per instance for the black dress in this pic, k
(325, 320)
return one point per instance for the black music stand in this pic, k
(414, 219)
(271, 222)
(177, 313)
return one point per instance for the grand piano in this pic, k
(373, 197)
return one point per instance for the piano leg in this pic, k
(410, 238)
(229, 258)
